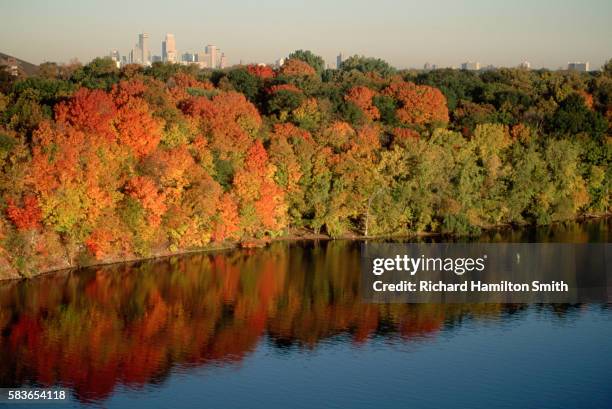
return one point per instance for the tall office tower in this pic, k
(169, 49)
(526, 65)
(134, 55)
(211, 50)
(143, 48)
(339, 61)
(223, 61)
(578, 66)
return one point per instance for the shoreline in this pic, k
(293, 236)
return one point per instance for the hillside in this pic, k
(28, 68)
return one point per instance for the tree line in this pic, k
(100, 163)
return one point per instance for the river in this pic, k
(284, 327)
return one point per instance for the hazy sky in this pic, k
(406, 33)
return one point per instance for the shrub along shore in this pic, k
(102, 165)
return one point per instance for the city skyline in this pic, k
(546, 34)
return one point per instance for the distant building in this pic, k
(114, 55)
(471, 66)
(140, 54)
(188, 57)
(213, 56)
(578, 66)
(143, 48)
(429, 67)
(169, 49)
(339, 60)
(156, 58)
(10, 65)
(223, 61)
(202, 58)
(15, 66)
(280, 62)
(526, 65)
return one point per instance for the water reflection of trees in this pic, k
(132, 324)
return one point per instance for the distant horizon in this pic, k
(547, 34)
(483, 64)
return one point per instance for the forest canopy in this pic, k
(101, 163)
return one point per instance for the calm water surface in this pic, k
(283, 327)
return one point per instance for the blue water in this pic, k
(285, 327)
(533, 359)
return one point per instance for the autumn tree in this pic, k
(309, 58)
(262, 202)
(362, 97)
(419, 104)
(296, 67)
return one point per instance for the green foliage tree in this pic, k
(315, 61)
(367, 65)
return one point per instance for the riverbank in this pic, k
(7, 272)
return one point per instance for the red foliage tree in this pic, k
(24, 217)
(89, 110)
(122, 115)
(262, 71)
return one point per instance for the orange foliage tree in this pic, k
(296, 67)
(229, 119)
(419, 104)
(362, 98)
(89, 110)
(146, 192)
(261, 199)
(24, 217)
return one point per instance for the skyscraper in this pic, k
(211, 50)
(339, 61)
(169, 49)
(143, 48)
(223, 61)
